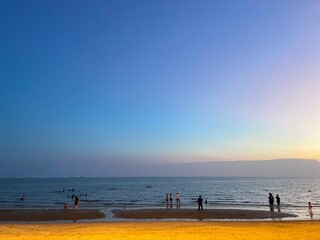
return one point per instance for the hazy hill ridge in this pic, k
(258, 168)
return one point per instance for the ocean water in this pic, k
(111, 193)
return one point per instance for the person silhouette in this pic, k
(178, 200)
(310, 210)
(278, 202)
(76, 202)
(271, 201)
(200, 200)
(167, 200)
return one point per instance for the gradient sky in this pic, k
(96, 82)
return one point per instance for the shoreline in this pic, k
(191, 214)
(123, 215)
(42, 215)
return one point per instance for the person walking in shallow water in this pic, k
(200, 200)
(271, 201)
(278, 202)
(170, 200)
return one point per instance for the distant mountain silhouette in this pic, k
(258, 168)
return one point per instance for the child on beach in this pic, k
(65, 206)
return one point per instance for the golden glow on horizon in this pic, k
(311, 152)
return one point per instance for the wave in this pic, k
(85, 200)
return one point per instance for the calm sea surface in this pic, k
(109, 193)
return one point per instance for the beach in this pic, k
(175, 224)
(35, 215)
(164, 230)
(116, 212)
(194, 214)
(40, 215)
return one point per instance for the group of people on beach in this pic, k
(74, 198)
(75, 203)
(271, 202)
(169, 200)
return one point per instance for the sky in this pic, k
(87, 85)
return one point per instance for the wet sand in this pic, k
(194, 214)
(39, 215)
(49, 215)
(273, 230)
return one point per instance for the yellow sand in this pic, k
(163, 230)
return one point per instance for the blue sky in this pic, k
(158, 81)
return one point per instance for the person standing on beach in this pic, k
(170, 200)
(167, 200)
(271, 201)
(200, 200)
(310, 210)
(278, 202)
(76, 202)
(178, 200)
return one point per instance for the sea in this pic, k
(108, 193)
